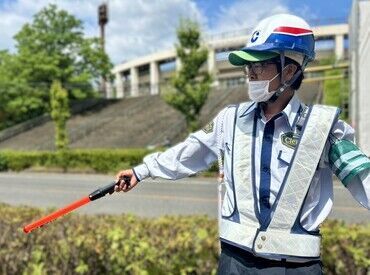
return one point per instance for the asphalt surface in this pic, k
(149, 199)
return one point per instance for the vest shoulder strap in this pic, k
(220, 155)
(315, 132)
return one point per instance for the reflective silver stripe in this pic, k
(303, 167)
(301, 245)
(242, 234)
(346, 157)
(351, 166)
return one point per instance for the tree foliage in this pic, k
(191, 85)
(336, 91)
(18, 100)
(60, 114)
(51, 47)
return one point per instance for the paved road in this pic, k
(150, 199)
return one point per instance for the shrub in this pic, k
(100, 160)
(125, 244)
(106, 244)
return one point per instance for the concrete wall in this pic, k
(150, 84)
(360, 72)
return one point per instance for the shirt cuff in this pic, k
(141, 172)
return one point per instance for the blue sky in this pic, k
(140, 27)
(318, 9)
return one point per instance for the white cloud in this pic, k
(140, 27)
(135, 27)
(244, 14)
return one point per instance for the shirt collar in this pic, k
(290, 111)
(249, 109)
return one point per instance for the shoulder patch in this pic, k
(209, 127)
(289, 139)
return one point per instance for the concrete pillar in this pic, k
(154, 78)
(119, 86)
(211, 61)
(134, 81)
(109, 88)
(212, 68)
(339, 46)
(178, 64)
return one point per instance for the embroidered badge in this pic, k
(289, 139)
(209, 127)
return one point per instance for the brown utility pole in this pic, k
(103, 20)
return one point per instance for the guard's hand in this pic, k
(123, 186)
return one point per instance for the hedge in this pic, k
(125, 244)
(104, 244)
(97, 160)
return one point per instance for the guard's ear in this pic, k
(289, 71)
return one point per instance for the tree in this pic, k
(191, 86)
(336, 87)
(18, 100)
(53, 47)
(60, 114)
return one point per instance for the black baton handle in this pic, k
(108, 189)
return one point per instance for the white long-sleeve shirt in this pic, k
(201, 149)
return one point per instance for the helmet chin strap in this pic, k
(287, 84)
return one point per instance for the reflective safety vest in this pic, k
(281, 238)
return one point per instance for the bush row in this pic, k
(97, 160)
(103, 244)
(125, 244)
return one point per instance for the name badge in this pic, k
(289, 139)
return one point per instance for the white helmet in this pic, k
(278, 34)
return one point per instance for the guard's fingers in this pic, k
(119, 176)
(127, 188)
(133, 183)
(119, 187)
(123, 185)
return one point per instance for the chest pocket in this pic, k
(285, 157)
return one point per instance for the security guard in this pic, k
(277, 157)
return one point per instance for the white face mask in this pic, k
(259, 90)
